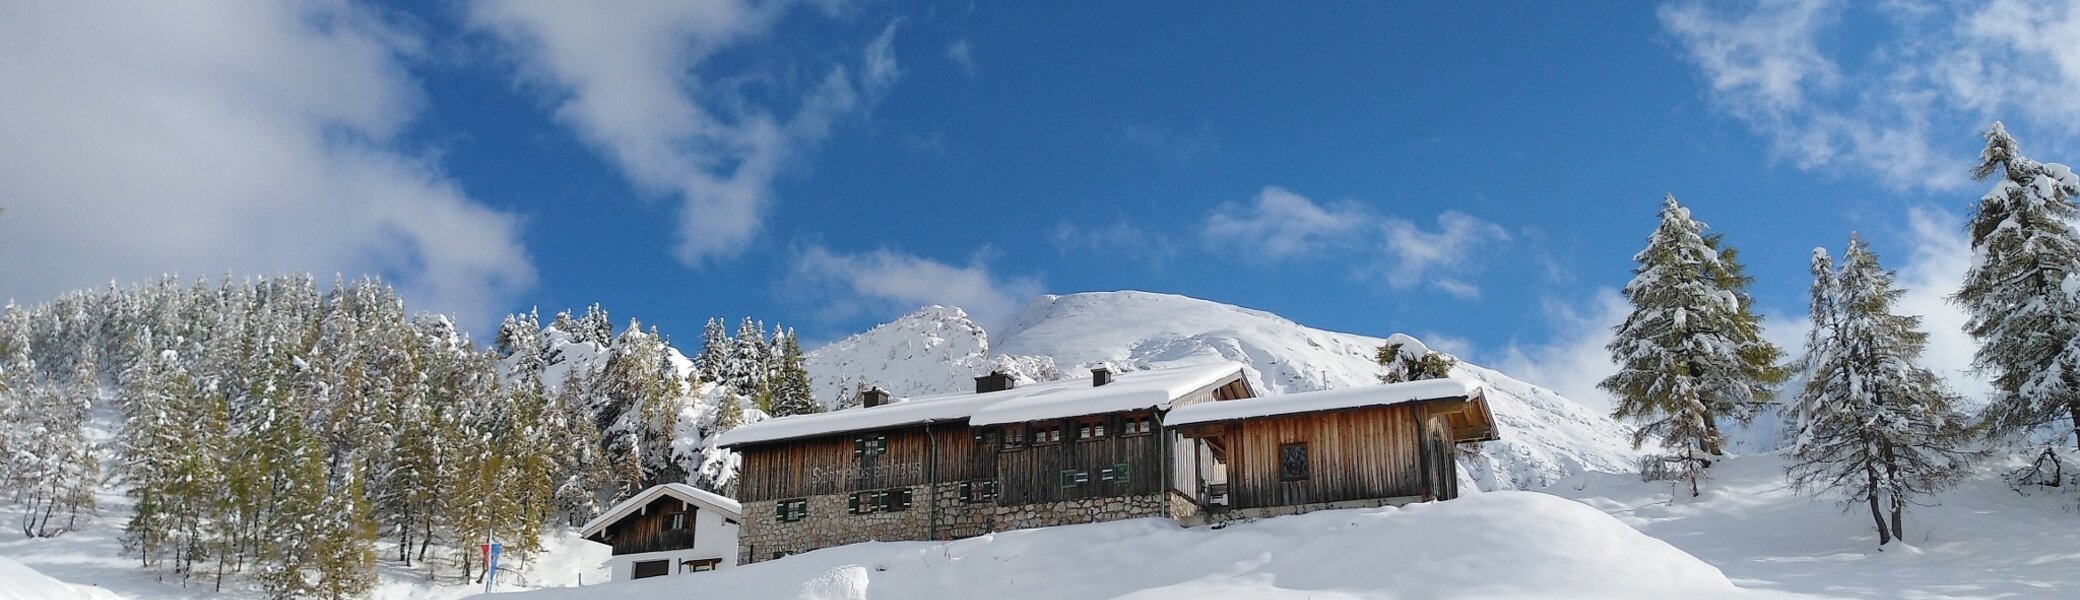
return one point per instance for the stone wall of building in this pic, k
(1073, 512)
(829, 523)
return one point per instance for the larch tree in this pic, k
(2022, 294)
(1691, 351)
(1870, 424)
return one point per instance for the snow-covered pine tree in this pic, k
(1872, 425)
(2020, 292)
(708, 365)
(152, 446)
(1406, 364)
(792, 394)
(595, 326)
(749, 361)
(1691, 351)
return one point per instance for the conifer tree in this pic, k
(2020, 292)
(714, 354)
(791, 393)
(1691, 351)
(1871, 425)
(749, 362)
(1413, 364)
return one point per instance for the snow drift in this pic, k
(19, 582)
(1499, 545)
(938, 350)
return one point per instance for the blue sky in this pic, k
(1480, 175)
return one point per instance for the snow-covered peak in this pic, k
(933, 350)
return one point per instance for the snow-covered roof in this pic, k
(681, 491)
(1132, 390)
(1325, 400)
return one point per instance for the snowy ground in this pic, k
(1980, 540)
(1749, 537)
(1493, 545)
(92, 560)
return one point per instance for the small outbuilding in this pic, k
(668, 529)
(1346, 448)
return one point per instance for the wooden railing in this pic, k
(656, 542)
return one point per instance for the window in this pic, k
(1113, 474)
(675, 521)
(651, 568)
(696, 566)
(1090, 429)
(1014, 437)
(1137, 425)
(975, 492)
(1074, 478)
(1292, 462)
(874, 501)
(791, 510)
(870, 445)
(782, 554)
(1047, 434)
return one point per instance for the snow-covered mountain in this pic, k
(938, 349)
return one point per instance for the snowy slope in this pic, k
(1500, 545)
(1544, 436)
(19, 582)
(1979, 539)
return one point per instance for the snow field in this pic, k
(1979, 539)
(1491, 545)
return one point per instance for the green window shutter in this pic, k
(852, 504)
(780, 510)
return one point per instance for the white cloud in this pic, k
(252, 138)
(1572, 360)
(1281, 225)
(1933, 270)
(1414, 254)
(962, 54)
(1907, 108)
(631, 83)
(888, 281)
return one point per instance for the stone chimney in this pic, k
(1101, 376)
(873, 397)
(995, 381)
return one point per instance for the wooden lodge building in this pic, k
(668, 529)
(1086, 450)
(1347, 448)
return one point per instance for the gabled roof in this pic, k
(706, 499)
(1132, 390)
(1321, 401)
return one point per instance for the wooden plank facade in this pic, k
(1397, 451)
(665, 523)
(844, 463)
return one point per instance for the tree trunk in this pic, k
(1878, 516)
(1898, 507)
(2073, 410)
(1713, 445)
